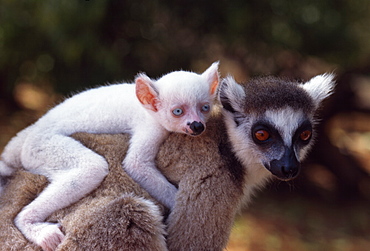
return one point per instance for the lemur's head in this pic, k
(271, 120)
(181, 101)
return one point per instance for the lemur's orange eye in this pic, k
(305, 135)
(262, 135)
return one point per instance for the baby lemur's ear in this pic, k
(320, 87)
(213, 78)
(231, 95)
(146, 93)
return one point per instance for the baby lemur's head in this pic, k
(181, 101)
(271, 120)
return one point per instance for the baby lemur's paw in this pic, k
(45, 234)
(48, 236)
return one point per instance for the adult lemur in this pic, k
(265, 130)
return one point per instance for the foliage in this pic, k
(84, 43)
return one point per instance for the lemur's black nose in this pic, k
(287, 167)
(290, 172)
(196, 127)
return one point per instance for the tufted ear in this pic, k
(231, 95)
(320, 87)
(146, 92)
(213, 78)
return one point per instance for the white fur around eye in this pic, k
(286, 122)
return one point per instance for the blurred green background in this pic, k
(49, 49)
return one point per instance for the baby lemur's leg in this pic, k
(73, 171)
(140, 165)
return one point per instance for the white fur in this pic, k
(320, 87)
(73, 170)
(286, 121)
(231, 88)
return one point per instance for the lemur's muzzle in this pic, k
(196, 127)
(287, 167)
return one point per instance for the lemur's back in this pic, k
(106, 109)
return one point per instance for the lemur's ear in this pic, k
(320, 87)
(231, 95)
(212, 76)
(146, 92)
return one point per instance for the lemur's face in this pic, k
(186, 99)
(281, 139)
(188, 118)
(180, 101)
(185, 108)
(271, 121)
(276, 140)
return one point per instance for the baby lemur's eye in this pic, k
(262, 135)
(206, 107)
(177, 112)
(305, 135)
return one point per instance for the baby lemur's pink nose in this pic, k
(196, 127)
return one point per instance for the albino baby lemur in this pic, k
(177, 102)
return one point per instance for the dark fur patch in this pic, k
(271, 93)
(236, 169)
(3, 181)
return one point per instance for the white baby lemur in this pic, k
(149, 109)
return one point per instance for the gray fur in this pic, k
(267, 93)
